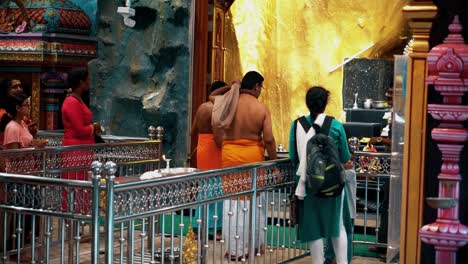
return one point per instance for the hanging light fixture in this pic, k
(127, 12)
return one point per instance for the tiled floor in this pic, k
(274, 256)
(271, 255)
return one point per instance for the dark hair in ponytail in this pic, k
(316, 100)
(10, 108)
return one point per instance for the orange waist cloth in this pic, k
(242, 151)
(208, 154)
(237, 152)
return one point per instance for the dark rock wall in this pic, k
(141, 75)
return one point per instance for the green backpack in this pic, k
(324, 174)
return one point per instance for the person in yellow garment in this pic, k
(245, 141)
(208, 155)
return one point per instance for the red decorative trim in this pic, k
(448, 113)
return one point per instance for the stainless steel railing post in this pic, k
(96, 167)
(110, 168)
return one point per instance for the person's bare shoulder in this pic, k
(262, 108)
(206, 106)
(204, 110)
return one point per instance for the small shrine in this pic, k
(40, 41)
(448, 73)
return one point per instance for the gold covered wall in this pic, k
(295, 43)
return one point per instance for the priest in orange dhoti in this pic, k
(245, 139)
(208, 158)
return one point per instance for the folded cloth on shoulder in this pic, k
(225, 107)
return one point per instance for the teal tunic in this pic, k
(319, 217)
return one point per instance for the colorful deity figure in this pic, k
(7, 20)
(51, 16)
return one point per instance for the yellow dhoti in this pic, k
(234, 153)
(242, 151)
(237, 152)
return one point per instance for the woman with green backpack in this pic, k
(320, 205)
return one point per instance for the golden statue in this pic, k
(189, 254)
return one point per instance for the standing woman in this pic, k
(76, 116)
(318, 217)
(17, 136)
(79, 129)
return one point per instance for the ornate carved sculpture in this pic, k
(448, 72)
(42, 50)
(51, 16)
(189, 255)
(25, 17)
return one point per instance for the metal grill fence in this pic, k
(175, 218)
(61, 176)
(150, 221)
(55, 137)
(373, 175)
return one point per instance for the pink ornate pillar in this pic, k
(448, 72)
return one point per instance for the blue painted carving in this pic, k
(52, 17)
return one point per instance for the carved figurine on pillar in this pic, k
(448, 72)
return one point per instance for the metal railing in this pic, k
(36, 216)
(73, 162)
(150, 221)
(174, 218)
(255, 203)
(55, 137)
(67, 165)
(373, 174)
(132, 157)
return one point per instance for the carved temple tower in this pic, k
(41, 41)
